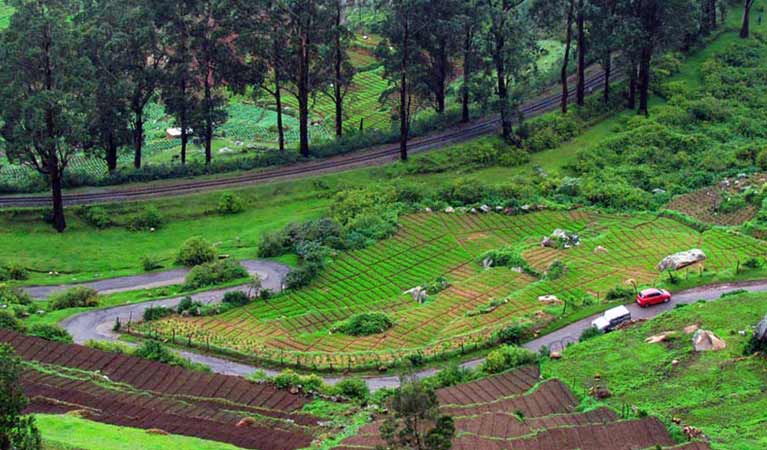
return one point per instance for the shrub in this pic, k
(556, 270)
(589, 333)
(214, 273)
(307, 383)
(508, 257)
(302, 276)
(189, 307)
(147, 220)
(230, 204)
(13, 271)
(14, 296)
(9, 322)
(512, 335)
(195, 251)
(753, 263)
(150, 263)
(236, 298)
(95, 216)
(619, 293)
(761, 159)
(77, 297)
(364, 324)
(507, 357)
(156, 313)
(51, 333)
(154, 351)
(353, 388)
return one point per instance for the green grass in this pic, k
(295, 328)
(718, 392)
(71, 432)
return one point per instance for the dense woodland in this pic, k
(78, 75)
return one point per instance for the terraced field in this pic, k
(707, 204)
(132, 392)
(512, 411)
(294, 328)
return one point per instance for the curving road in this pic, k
(373, 156)
(97, 325)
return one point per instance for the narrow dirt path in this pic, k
(97, 325)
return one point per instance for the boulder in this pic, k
(681, 260)
(704, 341)
(450, 210)
(487, 263)
(691, 328)
(418, 293)
(549, 300)
(761, 330)
(485, 209)
(555, 355)
(600, 250)
(561, 239)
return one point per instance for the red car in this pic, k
(650, 297)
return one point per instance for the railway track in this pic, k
(333, 164)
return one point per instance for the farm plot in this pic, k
(524, 416)
(722, 204)
(133, 392)
(295, 328)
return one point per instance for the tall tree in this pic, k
(105, 44)
(471, 19)
(605, 24)
(512, 49)
(550, 15)
(45, 90)
(580, 89)
(179, 85)
(439, 41)
(745, 29)
(401, 58)
(17, 432)
(336, 50)
(307, 25)
(416, 423)
(212, 50)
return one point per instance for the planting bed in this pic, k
(127, 391)
(705, 204)
(521, 416)
(294, 328)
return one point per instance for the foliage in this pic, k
(76, 297)
(13, 271)
(149, 219)
(196, 251)
(9, 322)
(590, 333)
(364, 324)
(156, 313)
(620, 293)
(17, 431)
(150, 263)
(51, 333)
(230, 204)
(507, 357)
(307, 383)
(556, 270)
(236, 298)
(95, 216)
(155, 351)
(14, 296)
(413, 406)
(508, 257)
(353, 388)
(213, 273)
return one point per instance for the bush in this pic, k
(507, 357)
(508, 257)
(512, 335)
(150, 263)
(14, 272)
(189, 307)
(354, 389)
(14, 296)
(307, 383)
(147, 220)
(156, 313)
(195, 251)
(230, 204)
(364, 324)
(236, 298)
(154, 351)
(214, 273)
(302, 276)
(556, 270)
(51, 333)
(619, 293)
(589, 333)
(95, 216)
(77, 297)
(9, 322)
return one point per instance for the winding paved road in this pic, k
(97, 325)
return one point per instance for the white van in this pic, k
(612, 319)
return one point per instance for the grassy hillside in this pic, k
(722, 393)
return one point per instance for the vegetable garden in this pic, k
(295, 329)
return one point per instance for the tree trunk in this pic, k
(111, 154)
(278, 102)
(184, 142)
(54, 172)
(303, 96)
(745, 29)
(580, 96)
(632, 87)
(208, 121)
(608, 67)
(566, 63)
(404, 107)
(467, 47)
(644, 81)
(338, 92)
(441, 78)
(138, 136)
